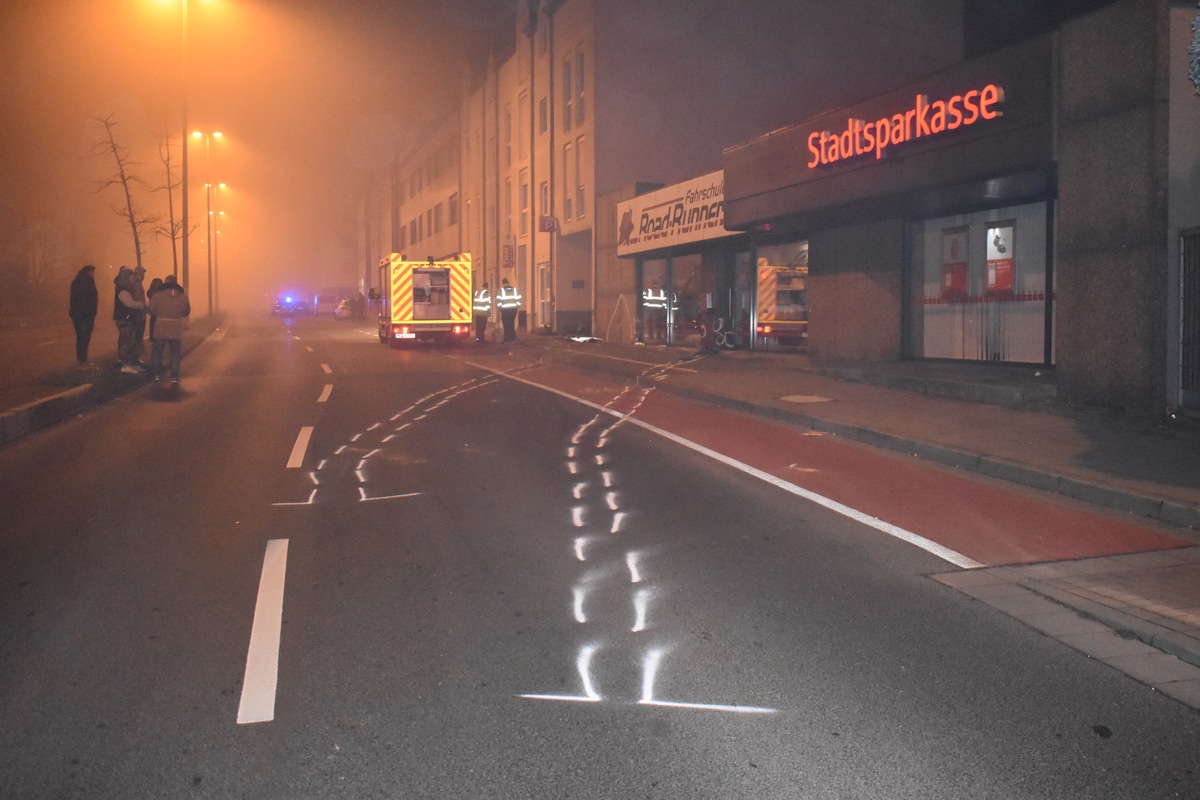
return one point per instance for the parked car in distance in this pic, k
(326, 300)
(344, 310)
(289, 305)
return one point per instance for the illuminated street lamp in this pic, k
(208, 190)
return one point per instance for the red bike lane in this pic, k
(980, 518)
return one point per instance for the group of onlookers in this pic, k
(164, 306)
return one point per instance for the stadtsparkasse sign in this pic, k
(985, 118)
(923, 119)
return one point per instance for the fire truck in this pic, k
(424, 300)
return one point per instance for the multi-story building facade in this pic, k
(593, 101)
(1061, 230)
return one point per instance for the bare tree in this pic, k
(173, 229)
(124, 178)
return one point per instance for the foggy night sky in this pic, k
(308, 95)
(312, 97)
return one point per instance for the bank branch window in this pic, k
(980, 287)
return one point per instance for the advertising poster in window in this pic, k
(1000, 258)
(954, 263)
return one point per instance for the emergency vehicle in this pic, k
(783, 302)
(425, 300)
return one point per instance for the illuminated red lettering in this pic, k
(860, 137)
(953, 112)
(970, 110)
(937, 120)
(922, 116)
(989, 96)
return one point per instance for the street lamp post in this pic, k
(208, 190)
(184, 166)
(216, 260)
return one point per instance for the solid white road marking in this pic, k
(300, 447)
(262, 658)
(328, 390)
(929, 546)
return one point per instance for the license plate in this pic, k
(406, 336)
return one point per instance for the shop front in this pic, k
(691, 274)
(699, 284)
(917, 224)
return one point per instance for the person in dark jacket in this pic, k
(84, 302)
(126, 311)
(138, 290)
(170, 308)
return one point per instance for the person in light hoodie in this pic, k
(170, 308)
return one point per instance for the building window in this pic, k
(523, 126)
(437, 218)
(508, 135)
(568, 89)
(568, 193)
(543, 116)
(452, 207)
(980, 286)
(543, 36)
(508, 207)
(579, 88)
(579, 165)
(524, 202)
(544, 198)
(403, 243)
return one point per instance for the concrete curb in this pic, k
(38, 414)
(1172, 642)
(1178, 514)
(1096, 494)
(41, 413)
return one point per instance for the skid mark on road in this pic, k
(368, 444)
(602, 525)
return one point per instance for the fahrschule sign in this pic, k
(686, 212)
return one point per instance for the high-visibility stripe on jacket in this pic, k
(483, 301)
(509, 298)
(654, 298)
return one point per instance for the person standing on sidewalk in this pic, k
(509, 301)
(138, 290)
(482, 307)
(170, 307)
(125, 313)
(84, 302)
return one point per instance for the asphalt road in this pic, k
(328, 569)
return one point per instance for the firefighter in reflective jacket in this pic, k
(482, 306)
(654, 301)
(509, 300)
